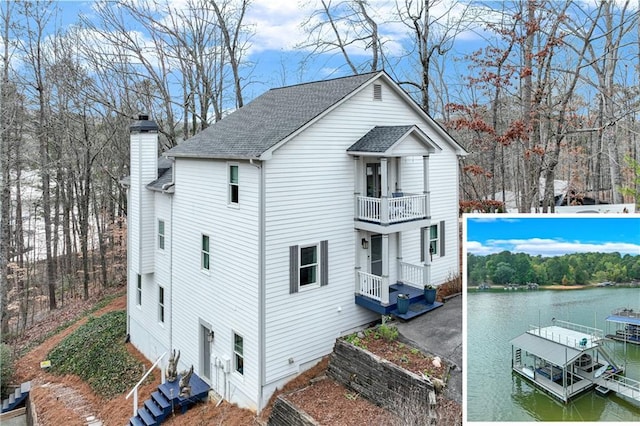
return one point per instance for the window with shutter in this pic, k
(308, 266)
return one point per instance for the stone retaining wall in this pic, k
(380, 381)
(284, 413)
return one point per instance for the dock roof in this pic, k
(555, 353)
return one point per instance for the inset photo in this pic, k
(552, 317)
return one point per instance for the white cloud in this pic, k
(551, 247)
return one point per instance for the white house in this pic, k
(256, 243)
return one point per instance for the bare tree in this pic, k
(432, 35)
(230, 16)
(347, 28)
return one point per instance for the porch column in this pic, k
(426, 191)
(357, 247)
(356, 185)
(399, 255)
(384, 191)
(385, 269)
(398, 161)
(426, 271)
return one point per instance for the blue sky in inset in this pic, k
(552, 235)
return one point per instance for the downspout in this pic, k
(262, 361)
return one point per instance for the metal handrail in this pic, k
(135, 388)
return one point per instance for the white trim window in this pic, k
(238, 353)
(234, 184)
(161, 304)
(308, 266)
(432, 242)
(205, 254)
(161, 234)
(139, 291)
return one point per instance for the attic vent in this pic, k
(377, 92)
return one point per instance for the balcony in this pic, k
(385, 212)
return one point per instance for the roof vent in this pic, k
(143, 117)
(377, 92)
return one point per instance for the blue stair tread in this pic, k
(416, 309)
(146, 417)
(160, 399)
(155, 411)
(136, 421)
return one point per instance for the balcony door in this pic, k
(374, 180)
(375, 256)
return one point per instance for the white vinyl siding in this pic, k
(226, 297)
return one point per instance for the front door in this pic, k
(205, 353)
(374, 180)
(376, 255)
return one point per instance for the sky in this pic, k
(553, 235)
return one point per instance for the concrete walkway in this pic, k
(439, 332)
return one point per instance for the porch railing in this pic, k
(391, 210)
(370, 285)
(413, 275)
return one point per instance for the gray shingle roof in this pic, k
(269, 119)
(380, 139)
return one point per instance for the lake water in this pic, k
(494, 318)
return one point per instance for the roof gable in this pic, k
(269, 119)
(393, 141)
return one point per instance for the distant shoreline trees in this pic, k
(569, 269)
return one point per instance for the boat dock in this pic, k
(627, 325)
(567, 359)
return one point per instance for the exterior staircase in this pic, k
(17, 397)
(166, 400)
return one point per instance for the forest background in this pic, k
(537, 91)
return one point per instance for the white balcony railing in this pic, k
(413, 275)
(370, 285)
(391, 210)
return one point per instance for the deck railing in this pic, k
(568, 340)
(370, 285)
(623, 385)
(414, 275)
(134, 391)
(391, 210)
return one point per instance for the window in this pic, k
(161, 234)
(139, 291)
(205, 253)
(234, 193)
(432, 241)
(238, 353)
(308, 265)
(161, 304)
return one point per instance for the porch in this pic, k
(374, 292)
(417, 304)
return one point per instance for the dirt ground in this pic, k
(67, 400)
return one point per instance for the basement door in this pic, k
(205, 353)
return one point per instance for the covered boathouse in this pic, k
(564, 359)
